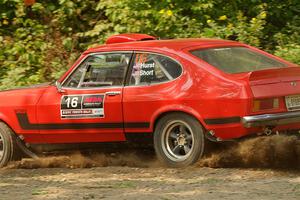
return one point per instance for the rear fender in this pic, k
(176, 108)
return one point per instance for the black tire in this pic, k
(8, 147)
(179, 151)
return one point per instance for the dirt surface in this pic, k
(259, 168)
(148, 183)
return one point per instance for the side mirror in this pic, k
(59, 87)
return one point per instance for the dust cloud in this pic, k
(277, 151)
(84, 160)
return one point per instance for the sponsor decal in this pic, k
(142, 66)
(82, 106)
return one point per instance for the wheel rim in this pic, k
(177, 140)
(1, 146)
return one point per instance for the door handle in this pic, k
(113, 93)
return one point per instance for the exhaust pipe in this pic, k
(267, 131)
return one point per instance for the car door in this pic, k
(150, 87)
(88, 107)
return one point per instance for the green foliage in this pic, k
(290, 52)
(40, 42)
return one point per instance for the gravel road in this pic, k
(148, 183)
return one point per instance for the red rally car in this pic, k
(180, 93)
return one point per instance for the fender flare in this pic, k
(7, 121)
(20, 143)
(175, 108)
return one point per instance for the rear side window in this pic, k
(237, 59)
(152, 68)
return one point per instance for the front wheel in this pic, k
(179, 140)
(8, 146)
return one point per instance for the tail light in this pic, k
(265, 104)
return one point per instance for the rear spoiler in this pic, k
(274, 75)
(129, 37)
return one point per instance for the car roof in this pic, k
(174, 44)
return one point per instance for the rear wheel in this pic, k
(179, 140)
(8, 146)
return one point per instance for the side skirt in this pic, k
(133, 141)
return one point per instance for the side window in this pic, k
(152, 68)
(100, 70)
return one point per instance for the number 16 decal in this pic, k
(82, 106)
(71, 102)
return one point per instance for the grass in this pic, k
(296, 189)
(125, 184)
(38, 192)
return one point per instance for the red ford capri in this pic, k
(175, 93)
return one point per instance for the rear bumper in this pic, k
(271, 119)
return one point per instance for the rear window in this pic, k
(237, 59)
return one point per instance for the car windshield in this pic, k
(237, 59)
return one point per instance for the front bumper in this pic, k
(271, 119)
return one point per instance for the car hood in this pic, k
(41, 85)
(22, 98)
